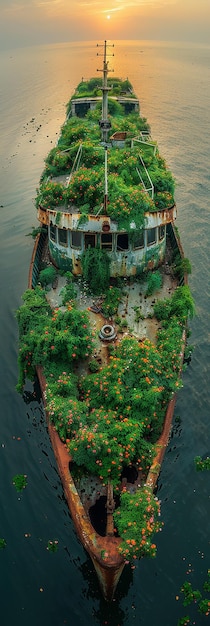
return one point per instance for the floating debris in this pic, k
(19, 481)
(52, 546)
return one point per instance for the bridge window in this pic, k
(76, 239)
(151, 236)
(106, 241)
(122, 242)
(62, 237)
(52, 232)
(138, 240)
(162, 230)
(90, 241)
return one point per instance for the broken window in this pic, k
(122, 242)
(76, 239)
(62, 237)
(106, 241)
(162, 229)
(90, 241)
(138, 239)
(151, 236)
(52, 232)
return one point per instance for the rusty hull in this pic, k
(103, 550)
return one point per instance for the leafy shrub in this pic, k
(163, 181)
(182, 266)
(111, 301)
(86, 187)
(162, 309)
(163, 200)
(57, 162)
(154, 282)
(67, 413)
(180, 304)
(47, 276)
(68, 293)
(93, 365)
(105, 443)
(126, 402)
(49, 336)
(95, 267)
(50, 195)
(137, 521)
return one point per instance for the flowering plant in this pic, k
(50, 195)
(50, 336)
(137, 521)
(163, 200)
(86, 187)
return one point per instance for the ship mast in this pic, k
(104, 122)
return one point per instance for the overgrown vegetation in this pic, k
(111, 419)
(154, 282)
(181, 305)
(137, 521)
(95, 268)
(181, 266)
(127, 199)
(111, 301)
(50, 338)
(47, 276)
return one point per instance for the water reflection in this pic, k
(110, 613)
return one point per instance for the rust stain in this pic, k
(102, 550)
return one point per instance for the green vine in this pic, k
(58, 217)
(95, 266)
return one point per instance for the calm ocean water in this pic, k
(39, 588)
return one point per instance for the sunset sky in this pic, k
(28, 22)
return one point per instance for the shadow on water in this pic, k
(32, 393)
(111, 612)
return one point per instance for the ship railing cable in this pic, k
(76, 164)
(145, 138)
(149, 187)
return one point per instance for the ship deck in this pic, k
(136, 310)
